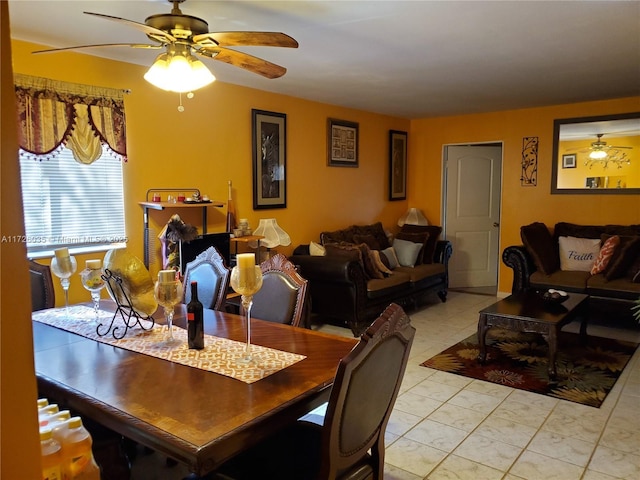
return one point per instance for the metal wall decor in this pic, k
(529, 175)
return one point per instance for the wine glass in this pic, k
(168, 293)
(92, 280)
(63, 266)
(247, 281)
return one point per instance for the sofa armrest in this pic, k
(329, 269)
(518, 258)
(443, 252)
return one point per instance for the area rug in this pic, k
(586, 372)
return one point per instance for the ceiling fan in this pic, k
(182, 35)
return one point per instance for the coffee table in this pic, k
(528, 312)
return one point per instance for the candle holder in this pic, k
(168, 292)
(63, 266)
(247, 281)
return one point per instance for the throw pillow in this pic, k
(620, 263)
(422, 237)
(392, 258)
(578, 254)
(359, 253)
(606, 252)
(371, 241)
(377, 261)
(434, 232)
(317, 250)
(540, 244)
(407, 252)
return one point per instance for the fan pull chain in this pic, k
(190, 95)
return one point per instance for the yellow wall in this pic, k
(20, 457)
(210, 143)
(520, 205)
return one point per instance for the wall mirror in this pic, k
(597, 155)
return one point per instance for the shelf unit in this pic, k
(149, 205)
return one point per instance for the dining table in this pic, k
(185, 410)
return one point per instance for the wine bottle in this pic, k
(195, 322)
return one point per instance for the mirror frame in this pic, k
(554, 163)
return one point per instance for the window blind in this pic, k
(67, 203)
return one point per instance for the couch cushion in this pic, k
(370, 240)
(540, 244)
(578, 253)
(317, 250)
(622, 288)
(406, 251)
(561, 280)
(420, 272)
(364, 256)
(347, 234)
(376, 258)
(607, 250)
(434, 232)
(383, 286)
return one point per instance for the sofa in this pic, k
(356, 272)
(602, 261)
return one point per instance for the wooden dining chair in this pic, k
(284, 296)
(349, 445)
(42, 292)
(210, 270)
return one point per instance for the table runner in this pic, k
(220, 355)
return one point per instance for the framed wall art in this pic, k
(342, 143)
(397, 165)
(569, 161)
(269, 137)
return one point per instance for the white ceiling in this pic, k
(411, 59)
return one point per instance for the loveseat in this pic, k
(602, 261)
(355, 273)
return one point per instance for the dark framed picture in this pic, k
(269, 136)
(342, 143)
(397, 165)
(569, 161)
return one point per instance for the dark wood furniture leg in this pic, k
(482, 334)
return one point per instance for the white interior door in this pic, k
(472, 213)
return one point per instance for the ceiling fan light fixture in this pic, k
(597, 154)
(178, 71)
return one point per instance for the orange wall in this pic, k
(210, 143)
(520, 205)
(20, 455)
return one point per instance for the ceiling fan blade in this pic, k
(243, 60)
(79, 47)
(152, 32)
(237, 39)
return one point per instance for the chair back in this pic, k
(210, 270)
(42, 292)
(284, 295)
(362, 397)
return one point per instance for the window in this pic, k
(67, 203)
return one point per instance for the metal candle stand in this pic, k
(129, 316)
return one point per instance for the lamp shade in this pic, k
(273, 234)
(413, 217)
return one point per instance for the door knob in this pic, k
(496, 224)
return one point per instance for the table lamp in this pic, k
(273, 234)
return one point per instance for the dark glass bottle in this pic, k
(195, 322)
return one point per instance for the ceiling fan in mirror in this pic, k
(184, 38)
(601, 153)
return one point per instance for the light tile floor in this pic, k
(446, 426)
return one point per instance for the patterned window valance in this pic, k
(54, 114)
